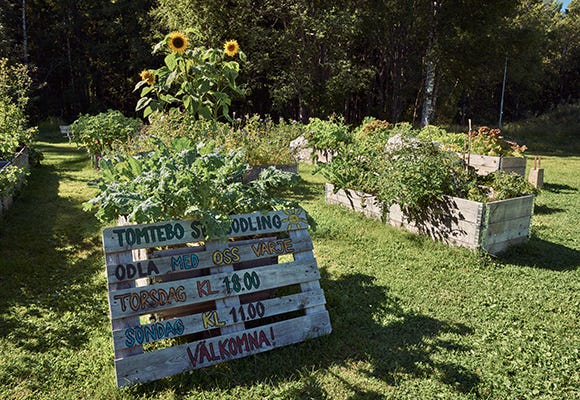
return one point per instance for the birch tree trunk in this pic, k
(429, 84)
(429, 97)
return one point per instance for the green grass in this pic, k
(412, 318)
(553, 133)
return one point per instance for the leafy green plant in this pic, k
(415, 173)
(198, 80)
(371, 129)
(10, 177)
(15, 83)
(506, 185)
(491, 142)
(182, 179)
(264, 141)
(484, 141)
(98, 134)
(327, 135)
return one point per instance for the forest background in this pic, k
(421, 61)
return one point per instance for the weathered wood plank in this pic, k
(122, 238)
(500, 247)
(313, 285)
(163, 296)
(510, 208)
(488, 164)
(513, 164)
(123, 323)
(466, 223)
(464, 233)
(173, 360)
(191, 258)
(222, 316)
(506, 230)
(355, 200)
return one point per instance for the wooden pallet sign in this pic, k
(178, 302)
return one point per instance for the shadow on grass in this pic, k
(49, 256)
(541, 209)
(539, 253)
(373, 339)
(559, 188)
(307, 191)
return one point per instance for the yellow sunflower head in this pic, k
(231, 48)
(148, 76)
(177, 42)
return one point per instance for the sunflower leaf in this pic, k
(142, 103)
(171, 61)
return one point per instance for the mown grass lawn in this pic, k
(412, 319)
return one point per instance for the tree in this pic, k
(88, 53)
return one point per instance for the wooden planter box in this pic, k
(20, 160)
(492, 227)
(487, 164)
(355, 200)
(254, 172)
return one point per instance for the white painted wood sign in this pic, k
(179, 302)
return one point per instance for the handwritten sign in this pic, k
(221, 294)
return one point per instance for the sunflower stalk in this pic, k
(200, 81)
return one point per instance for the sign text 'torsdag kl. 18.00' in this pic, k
(143, 300)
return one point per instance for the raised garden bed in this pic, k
(487, 164)
(492, 227)
(20, 160)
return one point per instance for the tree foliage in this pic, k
(383, 58)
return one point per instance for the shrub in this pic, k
(98, 134)
(372, 129)
(15, 84)
(264, 141)
(484, 141)
(327, 135)
(10, 177)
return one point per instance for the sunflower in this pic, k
(148, 76)
(178, 42)
(231, 48)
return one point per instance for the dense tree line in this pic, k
(423, 61)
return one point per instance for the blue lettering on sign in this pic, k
(186, 261)
(157, 331)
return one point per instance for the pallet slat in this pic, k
(163, 296)
(140, 236)
(222, 316)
